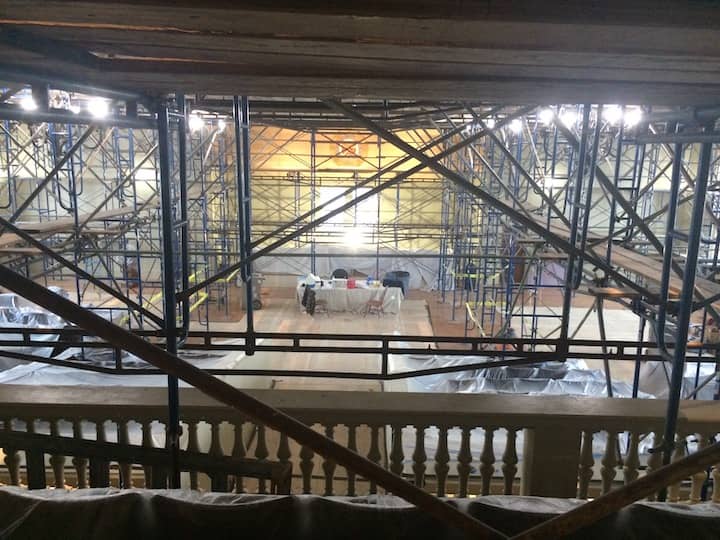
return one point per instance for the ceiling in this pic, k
(512, 51)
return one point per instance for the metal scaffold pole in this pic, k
(169, 298)
(685, 304)
(241, 118)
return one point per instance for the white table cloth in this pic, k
(355, 299)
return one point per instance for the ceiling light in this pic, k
(490, 123)
(98, 107)
(28, 104)
(546, 116)
(568, 118)
(195, 122)
(516, 126)
(75, 109)
(633, 117)
(221, 125)
(612, 114)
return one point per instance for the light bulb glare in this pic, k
(633, 117)
(490, 123)
(546, 116)
(98, 108)
(195, 122)
(568, 118)
(28, 104)
(612, 114)
(516, 126)
(221, 125)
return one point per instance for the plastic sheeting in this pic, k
(549, 378)
(423, 271)
(111, 514)
(16, 312)
(654, 377)
(39, 374)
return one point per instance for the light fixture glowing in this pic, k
(568, 118)
(516, 126)
(612, 114)
(221, 124)
(546, 116)
(354, 238)
(28, 104)
(490, 123)
(195, 122)
(633, 117)
(98, 107)
(75, 109)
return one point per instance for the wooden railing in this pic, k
(91, 461)
(450, 444)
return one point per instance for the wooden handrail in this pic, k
(243, 402)
(279, 473)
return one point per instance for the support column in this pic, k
(184, 225)
(551, 456)
(169, 300)
(241, 118)
(571, 262)
(685, 305)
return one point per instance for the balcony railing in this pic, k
(449, 444)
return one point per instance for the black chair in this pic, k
(394, 283)
(340, 273)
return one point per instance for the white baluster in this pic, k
(396, 453)
(306, 467)
(283, 453)
(57, 462)
(12, 458)
(419, 456)
(609, 462)
(442, 460)
(487, 460)
(374, 453)
(239, 452)
(632, 459)
(698, 479)
(585, 468)
(329, 465)
(678, 454)
(125, 468)
(464, 463)
(80, 463)
(716, 483)
(510, 461)
(147, 442)
(193, 445)
(654, 462)
(261, 454)
(100, 472)
(352, 445)
(215, 445)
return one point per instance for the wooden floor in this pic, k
(285, 315)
